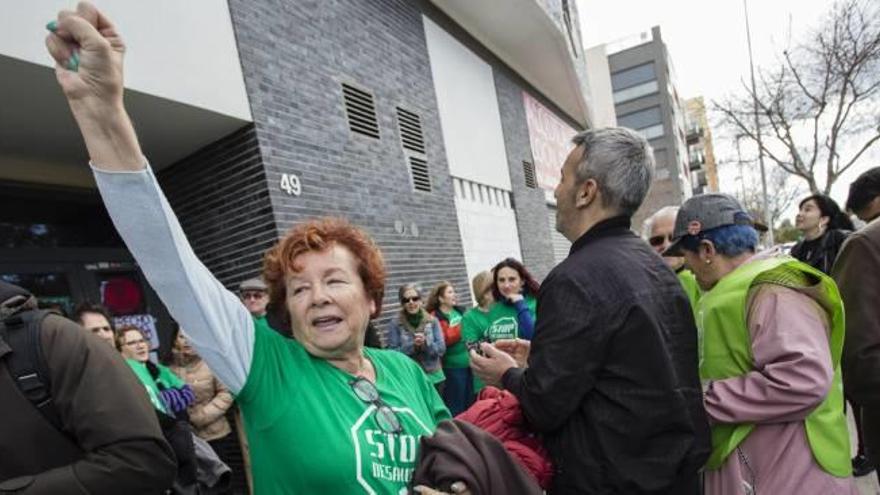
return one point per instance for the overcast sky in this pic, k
(707, 44)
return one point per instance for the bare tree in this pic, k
(818, 109)
(782, 194)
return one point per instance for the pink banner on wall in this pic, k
(550, 138)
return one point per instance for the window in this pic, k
(634, 92)
(652, 132)
(641, 119)
(633, 76)
(53, 219)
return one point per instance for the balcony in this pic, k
(694, 133)
(525, 37)
(696, 161)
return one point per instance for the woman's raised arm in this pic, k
(88, 52)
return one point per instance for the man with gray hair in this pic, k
(611, 380)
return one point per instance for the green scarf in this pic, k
(414, 320)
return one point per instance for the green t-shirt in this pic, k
(166, 377)
(503, 321)
(474, 323)
(437, 376)
(456, 355)
(309, 432)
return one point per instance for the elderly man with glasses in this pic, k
(254, 293)
(658, 232)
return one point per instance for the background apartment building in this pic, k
(701, 154)
(645, 98)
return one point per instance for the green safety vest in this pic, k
(691, 288)
(726, 352)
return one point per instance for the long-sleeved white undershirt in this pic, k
(213, 318)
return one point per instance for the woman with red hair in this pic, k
(322, 413)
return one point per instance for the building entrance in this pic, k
(63, 248)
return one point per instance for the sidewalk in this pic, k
(867, 484)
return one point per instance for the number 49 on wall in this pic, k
(291, 184)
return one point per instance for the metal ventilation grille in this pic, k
(418, 168)
(411, 136)
(361, 111)
(529, 174)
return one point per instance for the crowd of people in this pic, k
(686, 360)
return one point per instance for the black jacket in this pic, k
(820, 253)
(612, 380)
(111, 441)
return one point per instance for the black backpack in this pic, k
(27, 363)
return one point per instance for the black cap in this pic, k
(706, 212)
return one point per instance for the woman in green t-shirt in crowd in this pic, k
(476, 320)
(512, 315)
(458, 391)
(170, 397)
(168, 393)
(417, 334)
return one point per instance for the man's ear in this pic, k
(586, 193)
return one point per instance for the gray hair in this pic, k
(648, 224)
(621, 162)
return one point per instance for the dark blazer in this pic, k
(613, 379)
(111, 441)
(857, 272)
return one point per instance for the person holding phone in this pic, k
(416, 333)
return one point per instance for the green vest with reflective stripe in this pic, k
(726, 352)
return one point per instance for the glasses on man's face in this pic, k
(135, 342)
(406, 300)
(252, 295)
(386, 418)
(658, 240)
(100, 329)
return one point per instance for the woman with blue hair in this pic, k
(771, 335)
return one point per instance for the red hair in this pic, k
(317, 236)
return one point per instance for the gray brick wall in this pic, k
(220, 196)
(531, 207)
(295, 55)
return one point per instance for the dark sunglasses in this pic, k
(386, 418)
(410, 299)
(658, 240)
